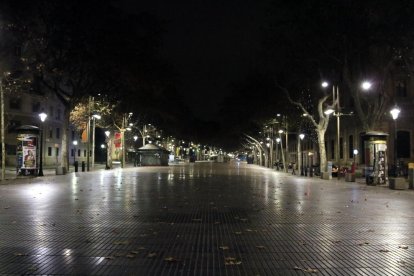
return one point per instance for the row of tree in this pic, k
(75, 50)
(343, 42)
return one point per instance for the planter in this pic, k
(326, 175)
(349, 177)
(60, 170)
(398, 183)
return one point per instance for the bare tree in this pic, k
(320, 123)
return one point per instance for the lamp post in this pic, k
(281, 150)
(354, 165)
(301, 136)
(395, 112)
(42, 119)
(108, 149)
(336, 112)
(94, 118)
(123, 129)
(310, 154)
(277, 152)
(75, 143)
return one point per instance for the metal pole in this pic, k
(41, 152)
(283, 155)
(3, 146)
(338, 114)
(93, 143)
(144, 135)
(88, 134)
(123, 140)
(395, 149)
(287, 142)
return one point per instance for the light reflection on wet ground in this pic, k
(204, 219)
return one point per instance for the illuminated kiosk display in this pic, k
(27, 150)
(375, 158)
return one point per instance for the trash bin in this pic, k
(83, 166)
(76, 164)
(411, 175)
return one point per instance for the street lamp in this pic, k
(281, 150)
(366, 85)
(355, 155)
(336, 111)
(42, 119)
(301, 136)
(310, 154)
(108, 149)
(395, 112)
(75, 143)
(94, 118)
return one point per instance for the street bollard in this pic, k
(83, 166)
(76, 164)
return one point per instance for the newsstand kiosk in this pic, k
(375, 155)
(27, 150)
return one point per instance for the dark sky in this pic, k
(211, 44)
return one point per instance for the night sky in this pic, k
(211, 44)
(208, 70)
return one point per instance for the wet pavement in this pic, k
(203, 219)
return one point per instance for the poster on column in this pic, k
(28, 151)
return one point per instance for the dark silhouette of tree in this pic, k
(78, 48)
(346, 42)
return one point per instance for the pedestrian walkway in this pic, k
(10, 172)
(203, 219)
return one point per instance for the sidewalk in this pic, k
(11, 174)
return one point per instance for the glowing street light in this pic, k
(366, 85)
(75, 143)
(301, 137)
(395, 112)
(42, 117)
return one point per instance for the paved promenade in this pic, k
(203, 219)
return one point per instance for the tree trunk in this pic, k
(65, 135)
(322, 149)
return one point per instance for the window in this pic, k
(401, 89)
(12, 125)
(341, 148)
(49, 151)
(84, 153)
(36, 107)
(50, 132)
(57, 133)
(57, 151)
(58, 114)
(351, 146)
(332, 149)
(73, 135)
(51, 111)
(15, 103)
(403, 144)
(90, 153)
(72, 152)
(79, 152)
